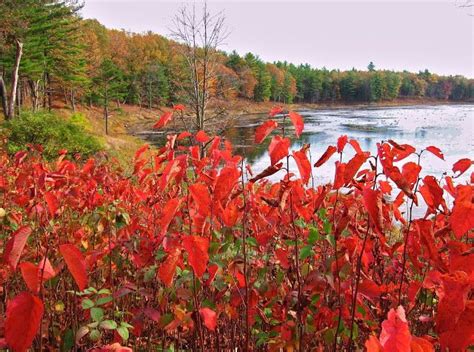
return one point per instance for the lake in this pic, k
(449, 127)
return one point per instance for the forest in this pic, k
(185, 246)
(80, 61)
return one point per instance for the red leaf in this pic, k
(461, 336)
(275, 111)
(201, 197)
(339, 176)
(341, 143)
(15, 246)
(395, 335)
(326, 155)
(52, 202)
(202, 137)
(32, 273)
(183, 135)
(169, 211)
(356, 146)
(164, 119)
(373, 344)
(353, 166)
(47, 269)
(385, 187)
(432, 193)
(462, 166)
(272, 169)
(282, 256)
(436, 151)
(278, 149)
(29, 272)
(373, 204)
(401, 151)
(462, 217)
(141, 150)
(264, 130)
(225, 183)
(209, 317)
(167, 269)
(179, 107)
(23, 319)
(453, 295)
(370, 289)
(230, 214)
(297, 121)
(410, 172)
(76, 264)
(197, 248)
(419, 344)
(303, 164)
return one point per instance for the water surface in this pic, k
(449, 127)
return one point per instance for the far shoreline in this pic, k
(257, 108)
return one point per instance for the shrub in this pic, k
(52, 132)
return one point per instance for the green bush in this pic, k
(52, 132)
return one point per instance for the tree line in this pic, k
(48, 52)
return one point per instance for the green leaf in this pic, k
(331, 240)
(166, 319)
(108, 325)
(95, 335)
(126, 325)
(90, 290)
(123, 332)
(87, 303)
(327, 227)
(68, 341)
(300, 223)
(104, 291)
(150, 273)
(83, 331)
(97, 314)
(252, 241)
(313, 235)
(306, 251)
(104, 300)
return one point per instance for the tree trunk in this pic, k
(50, 98)
(3, 96)
(34, 87)
(73, 101)
(106, 110)
(16, 67)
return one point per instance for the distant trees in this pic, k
(48, 54)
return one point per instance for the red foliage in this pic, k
(164, 119)
(75, 263)
(23, 319)
(200, 253)
(264, 130)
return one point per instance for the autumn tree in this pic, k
(109, 86)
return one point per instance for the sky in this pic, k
(437, 35)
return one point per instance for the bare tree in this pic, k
(465, 4)
(200, 36)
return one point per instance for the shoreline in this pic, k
(254, 108)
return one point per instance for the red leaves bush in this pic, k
(197, 256)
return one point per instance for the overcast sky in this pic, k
(398, 35)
